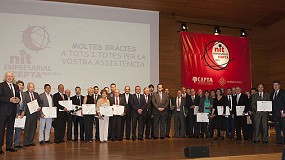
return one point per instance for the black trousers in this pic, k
(126, 126)
(30, 128)
(59, 127)
(147, 123)
(69, 126)
(240, 123)
(78, 120)
(97, 128)
(110, 128)
(88, 121)
(190, 124)
(159, 122)
(137, 120)
(279, 124)
(168, 122)
(116, 128)
(8, 120)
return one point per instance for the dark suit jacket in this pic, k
(148, 107)
(136, 104)
(182, 105)
(190, 103)
(6, 107)
(278, 103)
(57, 97)
(28, 100)
(243, 101)
(76, 101)
(122, 102)
(164, 103)
(127, 105)
(256, 97)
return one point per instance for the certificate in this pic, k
(49, 112)
(88, 109)
(118, 110)
(228, 112)
(106, 111)
(20, 122)
(196, 109)
(33, 106)
(67, 104)
(202, 117)
(220, 110)
(239, 110)
(264, 106)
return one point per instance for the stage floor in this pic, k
(148, 149)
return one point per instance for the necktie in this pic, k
(178, 103)
(193, 99)
(62, 96)
(139, 101)
(160, 96)
(230, 104)
(146, 98)
(11, 88)
(116, 100)
(33, 98)
(95, 97)
(127, 98)
(260, 95)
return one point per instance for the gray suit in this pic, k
(45, 123)
(260, 117)
(159, 116)
(179, 117)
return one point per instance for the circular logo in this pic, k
(217, 55)
(36, 38)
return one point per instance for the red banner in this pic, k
(211, 61)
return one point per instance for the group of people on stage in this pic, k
(147, 114)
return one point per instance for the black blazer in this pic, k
(28, 100)
(148, 106)
(122, 102)
(135, 105)
(190, 103)
(182, 105)
(6, 107)
(57, 97)
(278, 103)
(127, 105)
(243, 101)
(76, 101)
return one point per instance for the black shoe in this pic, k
(265, 142)
(162, 138)
(42, 142)
(57, 142)
(133, 139)
(26, 145)
(119, 139)
(75, 140)
(33, 144)
(19, 146)
(155, 138)
(140, 139)
(255, 141)
(168, 137)
(81, 139)
(48, 141)
(11, 150)
(128, 139)
(278, 143)
(1, 152)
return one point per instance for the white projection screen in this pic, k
(78, 45)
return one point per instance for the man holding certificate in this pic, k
(138, 105)
(278, 111)
(260, 117)
(117, 101)
(34, 102)
(60, 121)
(178, 105)
(240, 119)
(9, 98)
(45, 123)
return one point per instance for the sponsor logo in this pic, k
(203, 80)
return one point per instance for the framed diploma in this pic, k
(239, 110)
(202, 117)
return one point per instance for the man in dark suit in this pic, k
(60, 121)
(110, 95)
(160, 103)
(31, 118)
(96, 97)
(192, 100)
(138, 105)
(9, 98)
(151, 92)
(260, 117)
(21, 107)
(229, 119)
(240, 121)
(179, 109)
(117, 119)
(127, 118)
(67, 92)
(147, 112)
(77, 100)
(278, 111)
(169, 114)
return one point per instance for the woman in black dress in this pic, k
(219, 121)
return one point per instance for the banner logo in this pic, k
(217, 55)
(35, 38)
